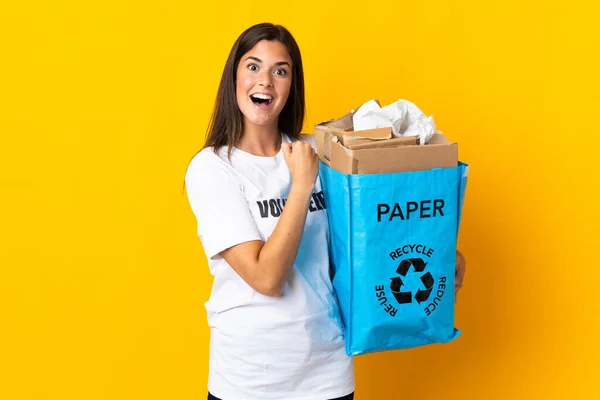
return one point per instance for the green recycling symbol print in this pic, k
(422, 294)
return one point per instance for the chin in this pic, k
(260, 120)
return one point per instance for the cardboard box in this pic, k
(343, 149)
(378, 144)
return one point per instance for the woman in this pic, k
(276, 331)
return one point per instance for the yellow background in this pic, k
(103, 280)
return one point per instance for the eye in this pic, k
(252, 67)
(281, 72)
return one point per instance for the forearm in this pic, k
(266, 265)
(278, 254)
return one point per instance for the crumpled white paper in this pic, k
(404, 117)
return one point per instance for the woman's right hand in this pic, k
(303, 162)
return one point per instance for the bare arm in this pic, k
(265, 265)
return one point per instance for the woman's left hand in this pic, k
(459, 274)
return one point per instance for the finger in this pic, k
(287, 149)
(459, 271)
(458, 280)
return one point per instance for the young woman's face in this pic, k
(264, 78)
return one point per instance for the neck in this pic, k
(260, 141)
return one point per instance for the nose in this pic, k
(265, 79)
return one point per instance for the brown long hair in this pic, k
(226, 123)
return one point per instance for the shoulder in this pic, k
(207, 166)
(205, 158)
(309, 138)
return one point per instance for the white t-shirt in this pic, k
(289, 347)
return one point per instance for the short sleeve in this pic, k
(218, 203)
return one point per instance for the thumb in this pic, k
(287, 151)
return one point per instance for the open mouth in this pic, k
(261, 99)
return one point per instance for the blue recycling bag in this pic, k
(393, 255)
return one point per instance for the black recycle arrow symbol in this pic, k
(418, 263)
(423, 295)
(401, 297)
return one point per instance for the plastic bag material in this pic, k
(393, 255)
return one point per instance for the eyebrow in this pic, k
(276, 64)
